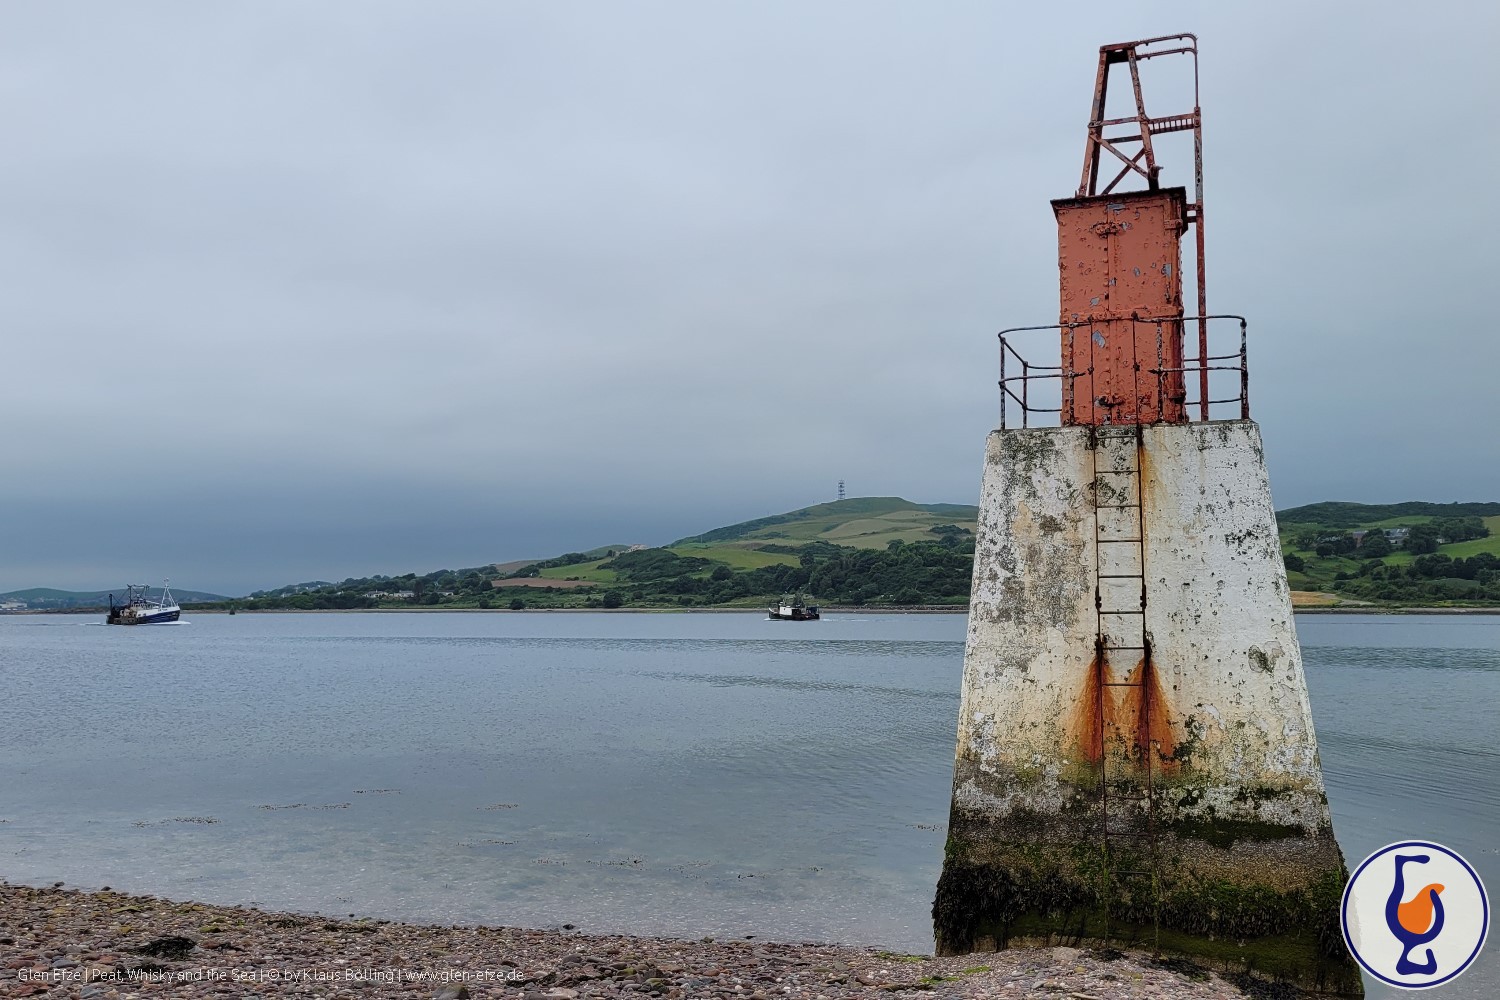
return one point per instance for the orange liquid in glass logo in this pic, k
(1415, 914)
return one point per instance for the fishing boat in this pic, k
(138, 609)
(794, 611)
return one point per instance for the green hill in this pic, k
(890, 551)
(877, 550)
(863, 522)
(860, 523)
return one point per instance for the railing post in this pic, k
(1202, 329)
(1003, 387)
(1025, 393)
(1244, 376)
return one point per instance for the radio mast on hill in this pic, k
(841, 489)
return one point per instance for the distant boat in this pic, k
(795, 611)
(138, 609)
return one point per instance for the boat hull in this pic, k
(794, 615)
(153, 618)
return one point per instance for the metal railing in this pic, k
(1162, 383)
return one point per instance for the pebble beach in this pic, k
(59, 941)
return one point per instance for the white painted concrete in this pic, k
(1218, 617)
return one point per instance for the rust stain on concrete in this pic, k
(1142, 719)
(1087, 725)
(1148, 715)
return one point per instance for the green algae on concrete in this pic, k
(1039, 895)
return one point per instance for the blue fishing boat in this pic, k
(139, 609)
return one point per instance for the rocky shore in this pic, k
(92, 945)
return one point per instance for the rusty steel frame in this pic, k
(1132, 54)
(1016, 388)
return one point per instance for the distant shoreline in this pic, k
(1397, 611)
(506, 611)
(866, 610)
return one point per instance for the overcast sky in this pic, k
(299, 291)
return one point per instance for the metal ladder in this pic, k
(1121, 644)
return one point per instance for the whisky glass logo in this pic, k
(1415, 914)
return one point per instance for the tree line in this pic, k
(935, 571)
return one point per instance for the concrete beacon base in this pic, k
(1136, 760)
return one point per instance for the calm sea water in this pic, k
(706, 774)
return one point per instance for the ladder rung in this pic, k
(1117, 506)
(1104, 612)
(1116, 472)
(1123, 684)
(1115, 541)
(1123, 649)
(1122, 576)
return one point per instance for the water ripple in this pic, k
(837, 647)
(1407, 657)
(1369, 741)
(796, 684)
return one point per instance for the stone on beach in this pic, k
(66, 942)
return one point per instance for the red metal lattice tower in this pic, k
(1119, 258)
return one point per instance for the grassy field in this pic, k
(1320, 575)
(1477, 545)
(734, 555)
(1472, 547)
(864, 522)
(581, 571)
(1324, 568)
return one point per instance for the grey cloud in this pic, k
(360, 287)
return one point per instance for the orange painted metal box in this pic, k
(1120, 263)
